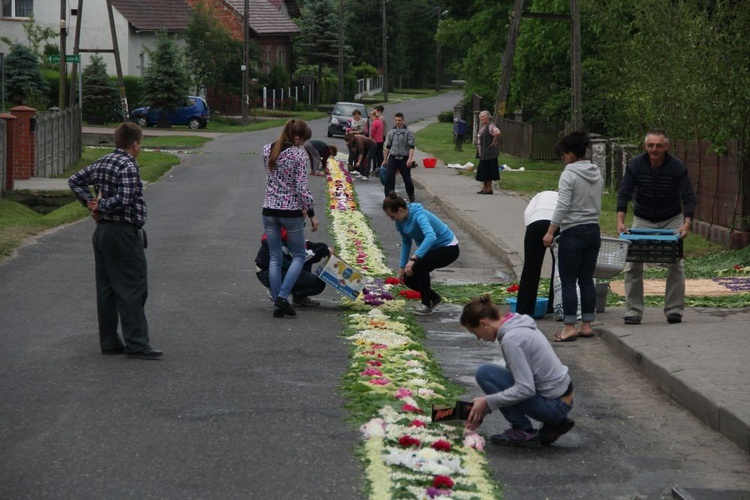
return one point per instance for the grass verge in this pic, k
(18, 222)
(539, 176)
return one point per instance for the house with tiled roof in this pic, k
(271, 27)
(136, 23)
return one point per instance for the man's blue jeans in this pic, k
(576, 259)
(295, 242)
(493, 379)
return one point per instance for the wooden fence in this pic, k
(723, 190)
(58, 141)
(531, 142)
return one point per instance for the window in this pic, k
(17, 8)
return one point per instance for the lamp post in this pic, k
(385, 55)
(341, 50)
(245, 61)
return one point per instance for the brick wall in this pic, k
(226, 15)
(24, 143)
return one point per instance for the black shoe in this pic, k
(285, 306)
(674, 318)
(436, 302)
(632, 320)
(116, 350)
(150, 354)
(278, 313)
(411, 199)
(551, 433)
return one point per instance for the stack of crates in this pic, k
(662, 246)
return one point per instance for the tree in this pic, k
(541, 82)
(211, 48)
(36, 36)
(479, 28)
(100, 94)
(318, 41)
(24, 82)
(165, 80)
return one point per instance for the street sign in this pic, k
(71, 58)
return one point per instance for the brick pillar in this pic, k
(24, 143)
(10, 125)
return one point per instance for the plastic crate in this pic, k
(662, 246)
(611, 259)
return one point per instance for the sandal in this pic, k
(560, 338)
(587, 335)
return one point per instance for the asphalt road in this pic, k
(246, 406)
(630, 441)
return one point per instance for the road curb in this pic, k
(702, 398)
(496, 248)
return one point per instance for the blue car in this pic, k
(193, 112)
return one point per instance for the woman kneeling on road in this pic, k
(437, 247)
(535, 383)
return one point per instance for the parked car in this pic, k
(340, 116)
(193, 112)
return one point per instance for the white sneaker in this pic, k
(363, 178)
(422, 310)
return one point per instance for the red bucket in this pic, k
(429, 162)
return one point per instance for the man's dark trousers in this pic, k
(396, 164)
(121, 286)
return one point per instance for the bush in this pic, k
(365, 71)
(445, 116)
(101, 95)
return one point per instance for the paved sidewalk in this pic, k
(701, 363)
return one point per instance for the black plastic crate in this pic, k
(663, 246)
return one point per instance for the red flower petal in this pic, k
(442, 482)
(408, 441)
(441, 445)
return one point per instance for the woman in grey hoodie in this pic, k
(533, 383)
(579, 202)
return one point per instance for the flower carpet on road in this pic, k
(393, 382)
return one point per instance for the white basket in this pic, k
(611, 259)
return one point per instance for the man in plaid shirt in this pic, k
(119, 241)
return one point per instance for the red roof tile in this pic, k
(265, 19)
(151, 15)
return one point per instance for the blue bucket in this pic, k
(540, 309)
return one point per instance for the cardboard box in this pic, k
(452, 415)
(341, 276)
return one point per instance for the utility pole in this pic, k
(438, 69)
(118, 65)
(385, 56)
(341, 50)
(575, 65)
(63, 61)
(245, 60)
(510, 49)
(76, 46)
(575, 61)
